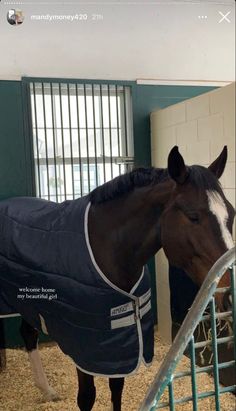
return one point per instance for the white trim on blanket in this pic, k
(10, 315)
(138, 282)
(130, 295)
(123, 322)
(131, 318)
(144, 310)
(145, 297)
(139, 362)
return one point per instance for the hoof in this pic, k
(51, 395)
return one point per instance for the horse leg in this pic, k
(116, 386)
(87, 391)
(30, 337)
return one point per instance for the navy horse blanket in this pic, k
(49, 275)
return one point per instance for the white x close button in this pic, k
(224, 17)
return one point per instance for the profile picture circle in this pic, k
(15, 17)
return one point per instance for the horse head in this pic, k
(196, 225)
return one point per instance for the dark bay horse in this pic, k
(181, 209)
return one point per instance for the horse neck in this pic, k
(124, 232)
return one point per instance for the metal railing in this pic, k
(185, 339)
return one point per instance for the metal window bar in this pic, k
(45, 139)
(185, 339)
(118, 126)
(36, 139)
(79, 138)
(125, 118)
(62, 140)
(54, 142)
(102, 133)
(94, 136)
(87, 138)
(110, 129)
(83, 136)
(71, 145)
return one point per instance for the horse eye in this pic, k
(194, 218)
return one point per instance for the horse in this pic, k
(181, 209)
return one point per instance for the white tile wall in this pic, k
(228, 178)
(200, 126)
(229, 122)
(216, 147)
(169, 117)
(185, 132)
(198, 152)
(198, 107)
(211, 127)
(168, 136)
(221, 99)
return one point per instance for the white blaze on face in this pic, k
(218, 208)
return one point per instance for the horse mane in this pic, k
(202, 178)
(199, 176)
(125, 183)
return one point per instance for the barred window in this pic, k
(82, 136)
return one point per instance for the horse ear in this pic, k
(176, 166)
(218, 166)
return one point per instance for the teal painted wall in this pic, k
(15, 150)
(15, 171)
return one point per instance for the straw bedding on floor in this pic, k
(18, 393)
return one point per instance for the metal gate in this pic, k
(163, 385)
(82, 136)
